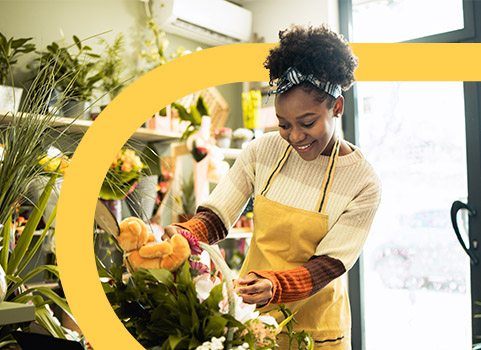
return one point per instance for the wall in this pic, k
(270, 16)
(50, 20)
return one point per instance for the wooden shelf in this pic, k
(81, 126)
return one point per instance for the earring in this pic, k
(338, 115)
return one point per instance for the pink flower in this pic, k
(193, 242)
(162, 187)
(166, 174)
(200, 267)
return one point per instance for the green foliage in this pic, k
(193, 115)
(111, 66)
(303, 341)
(72, 71)
(25, 139)
(162, 309)
(14, 263)
(151, 160)
(10, 50)
(121, 176)
(188, 196)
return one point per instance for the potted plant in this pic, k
(187, 199)
(10, 51)
(25, 140)
(111, 66)
(223, 136)
(142, 199)
(241, 137)
(193, 116)
(121, 179)
(74, 72)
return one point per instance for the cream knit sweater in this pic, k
(351, 205)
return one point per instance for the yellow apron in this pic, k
(285, 238)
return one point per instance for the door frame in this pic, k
(472, 103)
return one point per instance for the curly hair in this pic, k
(313, 50)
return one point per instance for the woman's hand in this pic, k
(254, 289)
(170, 230)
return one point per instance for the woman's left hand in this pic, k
(254, 289)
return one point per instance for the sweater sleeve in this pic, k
(303, 281)
(206, 226)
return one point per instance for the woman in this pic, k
(315, 194)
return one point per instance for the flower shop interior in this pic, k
(65, 63)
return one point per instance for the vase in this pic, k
(35, 189)
(75, 109)
(141, 200)
(10, 98)
(115, 207)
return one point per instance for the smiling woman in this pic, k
(313, 207)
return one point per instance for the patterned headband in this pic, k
(292, 77)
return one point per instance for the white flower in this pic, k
(203, 286)
(269, 320)
(214, 344)
(243, 312)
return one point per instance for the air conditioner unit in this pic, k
(212, 22)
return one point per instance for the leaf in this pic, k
(183, 278)
(214, 326)
(214, 298)
(5, 244)
(196, 117)
(175, 340)
(162, 276)
(26, 237)
(77, 41)
(183, 114)
(31, 252)
(51, 268)
(202, 107)
(45, 319)
(14, 279)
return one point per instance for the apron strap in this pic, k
(326, 185)
(277, 169)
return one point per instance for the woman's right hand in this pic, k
(170, 230)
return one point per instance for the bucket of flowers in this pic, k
(121, 179)
(122, 175)
(192, 307)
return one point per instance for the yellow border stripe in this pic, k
(155, 90)
(418, 62)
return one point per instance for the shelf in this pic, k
(231, 153)
(81, 126)
(240, 232)
(16, 313)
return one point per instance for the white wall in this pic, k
(44, 20)
(270, 16)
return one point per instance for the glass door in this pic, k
(415, 287)
(415, 275)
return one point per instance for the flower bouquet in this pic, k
(194, 307)
(123, 174)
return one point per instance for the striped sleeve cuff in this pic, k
(205, 225)
(303, 281)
